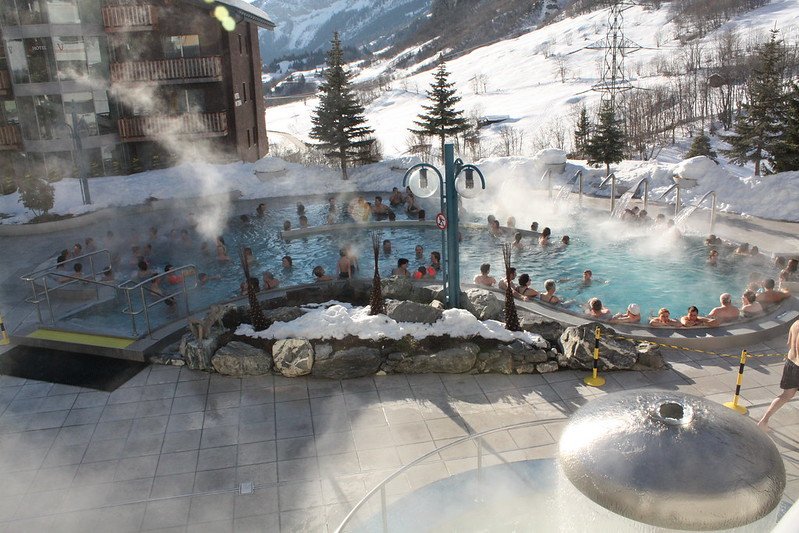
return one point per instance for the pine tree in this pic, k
(582, 135)
(608, 140)
(758, 128)
(338, 121)
(441, 119)
(785, 154)
(701, 146)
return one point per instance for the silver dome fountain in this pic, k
(672, 460)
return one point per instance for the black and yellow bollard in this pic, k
(4, 338)
(734, 403)
(594, 380)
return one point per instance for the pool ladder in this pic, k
(41, 291)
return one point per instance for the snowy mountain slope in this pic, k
(521, 77)
(306, 25)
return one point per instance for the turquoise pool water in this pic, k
(630, 264)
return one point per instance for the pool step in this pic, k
(88, 343)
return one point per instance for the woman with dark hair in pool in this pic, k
(287, 262)
(543, 240)
(435, 262)
(524, 290)
(221, 249)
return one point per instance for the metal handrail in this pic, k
(141, 286)
(381, 487)
(43, 273)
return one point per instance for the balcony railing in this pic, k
(191, 124)
(5, 83)
(140, 17)
(10, 137)
(173, 70)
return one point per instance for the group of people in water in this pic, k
(135, 257)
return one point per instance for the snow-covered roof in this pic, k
(247, 11)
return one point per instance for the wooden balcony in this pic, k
(191, 125)
(140, 17)
(5, 83)
(186, 70)
(10, 137)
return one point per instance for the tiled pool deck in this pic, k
(168, 450)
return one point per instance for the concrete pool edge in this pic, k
(733, 335)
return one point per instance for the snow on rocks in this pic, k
(343, 320)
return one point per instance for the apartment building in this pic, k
(135, 81)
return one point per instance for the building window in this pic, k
(249, 139)
(41, 117)
(82, 104)
(24, 12)
(180, 46)
(63, 11)
(244, 91)
(78, 57)
(31, 60)
(241, 45)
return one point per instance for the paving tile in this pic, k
(294, 495)
(138, 445)
(188, 404)
(215, 480)
(257, 524)
(88, 415)
(166, 513)
(211, 508)
(136, 468)
(297, 469)
(94, 473)
(257, 452)
(260, 502)
(216, 458)
(296, 448)
(104, 450)
(219, 436)
(256, 432)
(177, 463)
(65, 455)
(181, 441)
(172, 485)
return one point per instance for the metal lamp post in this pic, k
(451, 184)
(77, 144)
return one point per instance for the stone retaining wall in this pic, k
(567, 347)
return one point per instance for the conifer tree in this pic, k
(608, 140)
(701, 146)
(758, 128)
(338, 121)
(785, 154)
(582, 135)
(441, 119)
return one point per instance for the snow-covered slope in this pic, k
(521, 78)
(306, 25)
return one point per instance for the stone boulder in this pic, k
(404, 311)
(484, 305)
(495, 361)
(397, 287)
(649, 357)
(283, 314)
(198, 354)
(240, 359)
(549, 329)
(546, 368)
(577, 345)
(293, 357)
(423, 294)
(451, 361)
(348, 363)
